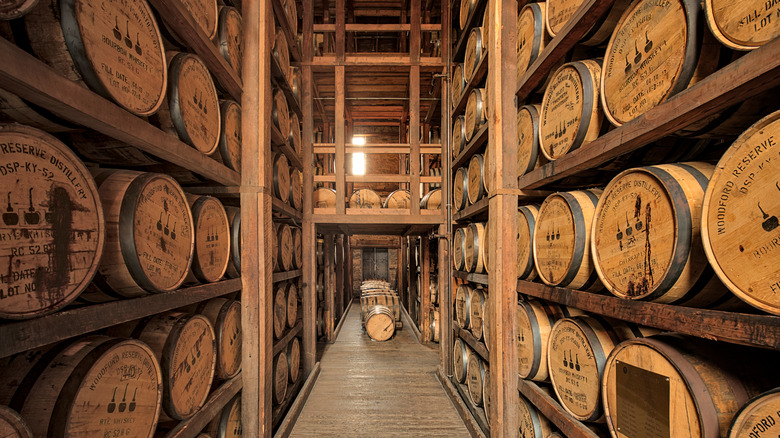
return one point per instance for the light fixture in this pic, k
(358, 158)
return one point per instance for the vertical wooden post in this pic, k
(445, 265)
(414, 106)
(256, 278)
(340, 36)
(309, 232)
(502, 299)
(330, 291)
(340, 143)
(348, 255)
(425, 295)
(339, 291)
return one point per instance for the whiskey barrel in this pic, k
(285, 247)
(227, 423)
(281, 376)
(296, 84)
(697, 386)
(458, 259)
(294, 359)
(458, 136)
(433, 316)
(365, 198)
(535, 319)
(297, 247)
(280, 310)
(95, 147)
(477, 303)
(757, 417)
(473, 239)
(526, 222)
(324, 198)
(291, 293)
(225, 316)
(651, 56)
(486, 323)
(399, 199)
(11, 10)
(485, 248)
(296, 189)
(320, 251)
(150, 236)
(115, 49)
(528, 156)
(460, 191)
(320, 286)
(294, 137)
(212, 239)
(234, 263)
(77, 385)
(475, 49)
(458, 84)
(380, 323)
(320, 322)
(12, 425)
(436, 171)
(559, 12)
(192, 107)
(476, 179)
(460, 359)
(204, 13)
(281, 52)
(570, 116)
(291, 10)
(275, 244)
(486, 390)
(739, 224)
(476, 112)
(230, 134)
(576, 356)
(532, 423)
(561, 241)
(281, 177)
(531, 35)
(466, 9)
(488, 170)
(184, 344)
(486, 25)
(431, 200)
(730, 22)
(646, 237)
(433, 289)
(475, 373)
(463, 306)
(229, 35)
(52, 220)
(280, 112)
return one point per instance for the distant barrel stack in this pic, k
(380, 312)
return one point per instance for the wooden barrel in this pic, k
(528, 150)
(436, 171)
(297, 247)
(646, 237)
(234, 263)
(320, 286)
(281, 52)
(380, 323)
(486, 323)
(458, 136)
(561, 240)
(285, 247)
(230, 31)
(292, 304)
(281, 377)
(473, 239)
(294, 137)
(399, 199)
(758, 417)
(466, 9)
(280, 310)
(651, 56)
(230, 134)
(570, 116)
(204, 13)
(12, 425)
(291, 10)
(150, 236)
(526, 222)
(294, 359)
(477, 301)
(460, 359)
(535, 319)
(433, 288)
(212, 239)
(576, 356)
(275, 244)
(532, 423)
(76, 386)
(115, 49)
(192, 109)
(365, 198)
(559, 12)
(52, 220)
(324, 198)
(320, 321)
(730, 22)
(225, 316)
(296, 84)
(431, 200)
(531, 35)
(458, 259)
(488, 170)
(697, 386)
(434, 325)
(476, 180)
(281, 178)
(740, 229)
(475, 374)
(281, 112)
(463, 306)
(460, 191)
(98, 148)
(476, 112)
(227, 423)
(458, 83)
(486, 388)
(296, 189)
(11, 10)
(475, 49)
(320, 251)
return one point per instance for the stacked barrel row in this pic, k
(380, 309)
(287, 315)
(470, 367)
(367, 198)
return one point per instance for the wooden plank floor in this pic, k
(378, 389)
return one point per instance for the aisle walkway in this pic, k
(378, 389)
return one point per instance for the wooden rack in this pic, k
(192, 427)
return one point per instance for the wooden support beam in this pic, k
(330, 287)
(340, 36)
(340, 139)
(414, 32)
(445, 265)
(339, 290)
(414, 131)
(425, 281)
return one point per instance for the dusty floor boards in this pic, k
(378, 389)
